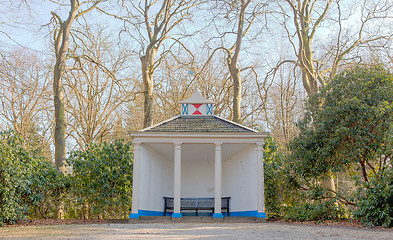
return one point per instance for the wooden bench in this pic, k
(196, 204)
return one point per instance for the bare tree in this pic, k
(154, 22)
(285, 105)
(307, 18)
(239, 15)
(174, 86)
(97, 90)
(61, 37)
(13, 16)
(24, 96)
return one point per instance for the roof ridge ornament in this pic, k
(197, 105)
(197, 98)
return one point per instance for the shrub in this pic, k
(14, 165)
(102, 179)
(29, 185)
(375, 201)
(275, 179)
(348, 122)
(46, 188)
(315, 211)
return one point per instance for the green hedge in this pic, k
(375, 201)
(100, 185)
(102, 179)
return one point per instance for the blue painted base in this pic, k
(243, 214)
(218, 215)
(134, 216)
(252, 213)
(152, 213)
(261, 215)
(177, 215)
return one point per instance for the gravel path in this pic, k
(193, 231)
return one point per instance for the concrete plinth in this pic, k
(261, 220)
(133, 220)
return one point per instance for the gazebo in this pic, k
(198, 155)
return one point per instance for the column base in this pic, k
(261, 215)
(177, 215)
(218, 215)
(134, 216)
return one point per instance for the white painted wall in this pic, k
(239, 178)
(197, 170)
(156, 178)
(239, 174)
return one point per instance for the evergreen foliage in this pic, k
(33, 188)
(347, 123)
(348, 128)
(14, 166)
(279, 188)
(46, 189)
(28, 185)
(375, 201)
(102, 178)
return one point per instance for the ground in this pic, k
(168, 230)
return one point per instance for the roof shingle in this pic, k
(198, 124)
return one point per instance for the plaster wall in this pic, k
(156, 179)
(239, 177)
(197, 170)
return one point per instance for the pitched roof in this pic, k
(197, 98)
(198, 124)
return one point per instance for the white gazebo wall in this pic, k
(239, 178)
(156, 181)
(197, 170)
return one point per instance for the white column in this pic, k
(261, 182)
(135, 180)
(217, 181)
(177, 180)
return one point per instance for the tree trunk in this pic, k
(309, 83)
(147, 75)
(85, 210)
(59, 210)
(62, 40)
(237, 91)
(328, 183)
(233, 58)
(307, 61)
(59, 116)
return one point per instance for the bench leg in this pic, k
(228, 211)
(165, 212)
(196, 211)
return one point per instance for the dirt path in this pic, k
(193, 231)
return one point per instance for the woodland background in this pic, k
(76, 76)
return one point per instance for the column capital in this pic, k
(137, 145)
(177, 145)
(218, 146)
(260, 145)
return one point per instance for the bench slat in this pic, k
(196, 204)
